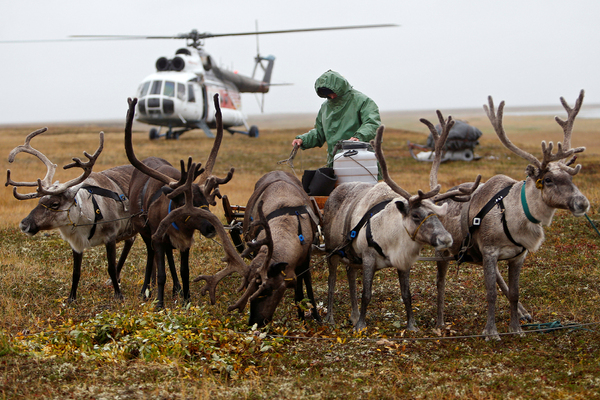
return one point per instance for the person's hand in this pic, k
(353, 139)
(297, 142)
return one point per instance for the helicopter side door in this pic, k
(193, 101)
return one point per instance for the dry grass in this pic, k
(560, 282)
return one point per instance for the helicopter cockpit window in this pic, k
(181, 91)
(144, 89)
(169, 89)
(191, 96)
(156, 86)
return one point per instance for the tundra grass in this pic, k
(101, 348)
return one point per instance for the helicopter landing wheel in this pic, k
(154, 134)
(253, 132)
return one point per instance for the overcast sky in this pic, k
(446, 54)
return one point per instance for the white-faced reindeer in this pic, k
(88, 211)
(154, 179)
(505, 218)
(371, 227)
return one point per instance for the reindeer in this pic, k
(155, 179)
(371, 227)
(505, 218)
(88, 211)
(293, 222)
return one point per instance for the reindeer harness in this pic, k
(497, 199)
(297, 211)
(93, 190)
(96, 190)
(365, 220)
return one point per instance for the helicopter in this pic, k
(177, 95)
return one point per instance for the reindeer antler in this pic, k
(257, 277)
(190, 216)
(568, 131)
(461, 194)
(210, 183)
(439, 141)
(45, 186)
(548, 157)
(167, 180)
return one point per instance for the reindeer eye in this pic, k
(55, 206)
(415, 216)
(547, 180)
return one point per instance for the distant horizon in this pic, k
(587, 111)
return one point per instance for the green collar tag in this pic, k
(525, 206)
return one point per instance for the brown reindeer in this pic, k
(293, 223)
(371, 227)
(505, 218)
(90, 210)
(148, 194)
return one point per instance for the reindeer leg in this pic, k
(111, 255)
(77, 258)
(490, 262)
(161, 276)
(351, 275)
(403, 278)
(333, 262)
(173, 270)
(149, 267)
(124, 253)
(368, 273)
(304, 273)
(442, 270)
(514, 271)
(185, 274)
(299, 290)
(314, 312)
(523, 313)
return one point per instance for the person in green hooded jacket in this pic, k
(347, 114)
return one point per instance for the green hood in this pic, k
(351, 114)
(334, 81)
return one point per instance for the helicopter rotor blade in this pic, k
(194, 35)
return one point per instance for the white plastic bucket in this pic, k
(355, 165)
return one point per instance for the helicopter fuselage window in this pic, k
(144, 89)
(181, 91)
(156, 86)
(169, 89)
(191, 96)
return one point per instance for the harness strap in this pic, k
(297, 211)
(105, 193)
(97, 217)
(526, 206)
(346, 250)
(371, 242)
(372, 211)
(169, 211)
(497, 199)
(95, 190)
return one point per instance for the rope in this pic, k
(592, 223)
(428, 338)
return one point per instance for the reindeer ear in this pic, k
(531, 171)
(402, 207)
(276, 269)
(166, 190)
